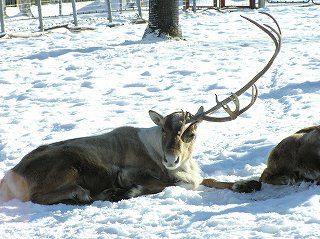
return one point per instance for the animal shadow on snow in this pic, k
(292, 89)
(275, 199)
(56, 53)
(252, 153)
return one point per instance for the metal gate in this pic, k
(219, 4)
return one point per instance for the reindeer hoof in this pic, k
(112, 195)
(246, 186)
(135, 191)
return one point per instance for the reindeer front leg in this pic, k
(131, 182)
(240, 187)
(147, 186)
(150, 185)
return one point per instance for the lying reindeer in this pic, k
(126, 162)
(294, 159)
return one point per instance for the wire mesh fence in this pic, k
(198, 4)
(116, 4)
(253, 4)
(316, 2)
(58, 7)
(63, 11)
(24, 15)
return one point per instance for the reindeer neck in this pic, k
(151, 139)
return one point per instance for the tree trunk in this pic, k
(164, 19)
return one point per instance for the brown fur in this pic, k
(104, 167)
(124, 163)
(294, 159)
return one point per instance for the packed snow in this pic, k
(70, 84)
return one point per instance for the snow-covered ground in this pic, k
(67, 84)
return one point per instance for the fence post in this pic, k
(109, 10)
(187, 4)
(215, 3)
(139, 8)
(261, 4)
(194, 6)
(60, 7)
(40, 15)
(252, 4)
(74, 12)
(2, 16)
(120, 6)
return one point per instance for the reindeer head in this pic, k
(179, 128)
(177, 138)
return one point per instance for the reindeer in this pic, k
(294, 159)
(126, 162)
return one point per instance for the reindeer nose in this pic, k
(171, 161)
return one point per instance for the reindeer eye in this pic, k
(187, 137)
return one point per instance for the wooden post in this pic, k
(215, 4)
(109, 10)
(252, 4)
(222, 3)
(187, 4)
(2, 16)
(139, 8)
(194, 6)
(74, 11)
(261, 4)
(40, 15)
(120, 6)
(60, 7)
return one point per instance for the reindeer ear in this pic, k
(156, 118)
(190, 133)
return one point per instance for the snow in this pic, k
(65, 84)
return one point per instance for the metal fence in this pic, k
(118, 4)
(63, 10)
(316, 2)
(253, 4)
(31, 15)
(14, 12)
(196, 4)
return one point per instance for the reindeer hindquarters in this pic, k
(280, 170)
(14, 186)
(309, 155)
(284, 178)
(74, 186)
(73, 194)
(57, 186)
(294, 159)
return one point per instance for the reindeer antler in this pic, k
(275, 35)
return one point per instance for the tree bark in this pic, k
(163, 19)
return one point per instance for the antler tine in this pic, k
(275, 35)
(233, 114)
(236, 112)
(185, 116)
(273, 19)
